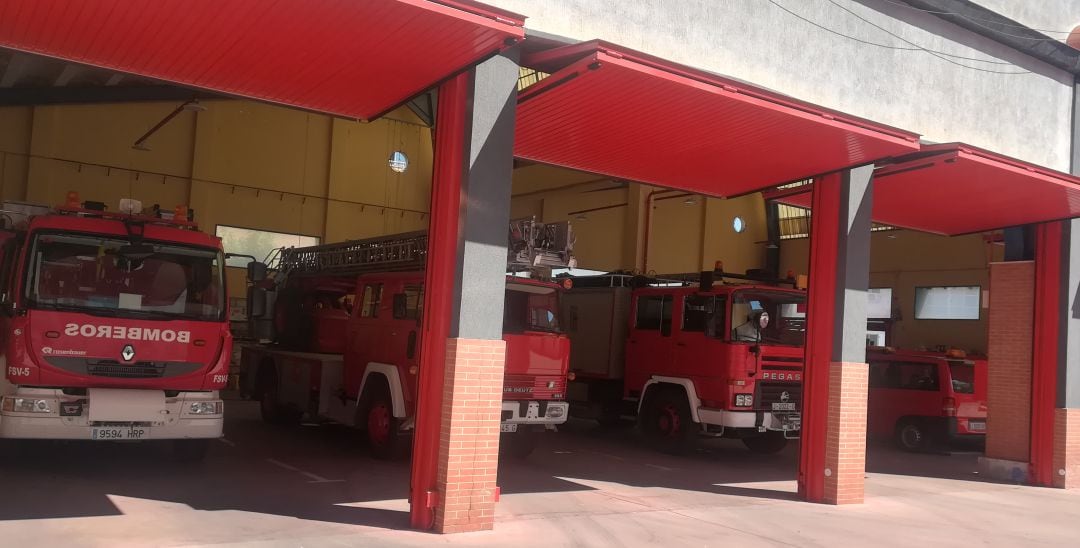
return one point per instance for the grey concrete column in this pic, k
(1068, 385)
(485, 202)
(853, 265)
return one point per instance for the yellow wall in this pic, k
(904, 260)
(237, 163)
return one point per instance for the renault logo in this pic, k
(785, 396)
(128, 352)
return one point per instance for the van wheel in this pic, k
(666, 423)
(190, 450)
(383, 434)
(518, 445)
(911, 435)
(767, 443)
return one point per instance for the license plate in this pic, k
(119, 433)
(508, 428)
(783, 406)
(977, 426)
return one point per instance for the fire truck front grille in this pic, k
(114, 369)
(786, 397)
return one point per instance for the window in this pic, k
(85, 272)
(257, 243)
(963, 377)
(879, 303)
(705, 314)
(369, 306)
(787, 317)
(904, 376)
(414, 302)
(947, 303)
(530, 308)
(654, 313)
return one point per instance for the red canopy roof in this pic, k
(616, 112)
(351, 58)
(955, 188)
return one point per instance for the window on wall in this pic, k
(879, 303)
(947, 303)
(257, 243)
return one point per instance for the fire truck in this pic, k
(114, 325)
(719, 357)
(342, 329)
(924, 399)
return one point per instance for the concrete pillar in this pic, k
(456, 443)
(832, 459)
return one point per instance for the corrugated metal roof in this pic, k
(350, 58)
(616, 112)
(954, 188)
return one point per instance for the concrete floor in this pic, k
(311, 486)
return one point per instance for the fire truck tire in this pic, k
(666, 422)
(382, 427)
(518, 445)
(912, 435)
(766, 444)
(190, 450)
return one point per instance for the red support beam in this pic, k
(443, 230)
(1046, 349)
(821, 303)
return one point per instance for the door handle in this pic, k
(681, 343)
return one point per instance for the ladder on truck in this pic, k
(531, 244)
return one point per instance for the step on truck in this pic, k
(340, 325)
(113, 325)
(718, 357)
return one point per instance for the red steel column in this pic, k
(833, 447)
(443, 232)
(1047, 346)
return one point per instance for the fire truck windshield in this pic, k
(92, 274)
(530, 308)
(786, 317)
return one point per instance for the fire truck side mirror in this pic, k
(256, 272)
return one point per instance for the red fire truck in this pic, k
(113, 325)
(343, 321)
(922, 399)
(722, 357)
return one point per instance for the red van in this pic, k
(926, 398)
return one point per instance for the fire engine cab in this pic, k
(113, 325)
(342, 325)
(722, 357)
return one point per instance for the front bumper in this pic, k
(176, 422)
(788, 423)
(535, 412)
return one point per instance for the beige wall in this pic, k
(904, 260)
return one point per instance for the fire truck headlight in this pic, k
(26, 405)
(205, 408)
(744, 400)
(556, 412)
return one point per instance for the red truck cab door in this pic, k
(697, 346)
(365, 338)
(650, 346)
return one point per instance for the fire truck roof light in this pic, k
(718, 266)
(568, 283)
(72, 199)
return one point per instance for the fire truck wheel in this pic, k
(518, 445)
(190, 450)
(665, 421)
(384, 437)
(912, 435)
(766, 444)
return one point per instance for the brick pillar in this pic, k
(469, 443)
(1067, 448)
(845, 451)
(832, 459)
(1009, 366)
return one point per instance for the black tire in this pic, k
(382, 427)
(518, 445)
(190, 450)
(912, 435)
(271, 411)
(767, 443)
(666, 422)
